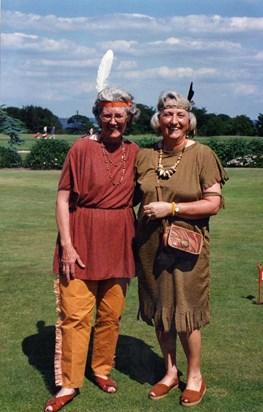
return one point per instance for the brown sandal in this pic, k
(191, 398)
(57, 402)
(105, 384)
(160, 390)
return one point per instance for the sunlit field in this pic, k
(30, 139)
(232, 355)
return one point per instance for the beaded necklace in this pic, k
(108, 161)
(166, 174)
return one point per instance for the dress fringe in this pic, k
(189, 321)
(58, 334)
(167, 319)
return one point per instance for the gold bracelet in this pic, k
(173, 208)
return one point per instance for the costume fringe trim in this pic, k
(58, 335)
(166, 319)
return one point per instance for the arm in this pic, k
(69, 254)
(208, 206)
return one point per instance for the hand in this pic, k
(68, 260)
(157, 210)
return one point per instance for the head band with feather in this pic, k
(104, 70)
(102, 77)
(190, 92)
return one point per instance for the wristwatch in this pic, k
(177, 209)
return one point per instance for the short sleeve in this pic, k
(211, 167)
(69, 179)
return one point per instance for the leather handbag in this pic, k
(178, 237)
(183, 239)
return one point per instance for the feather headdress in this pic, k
(104, 70)
(190, 92)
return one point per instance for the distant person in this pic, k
(44, 135)
(94, 261)
(180, 181)
(53, 133)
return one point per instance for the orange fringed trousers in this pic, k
(75, 304)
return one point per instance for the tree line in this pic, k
(33, 119)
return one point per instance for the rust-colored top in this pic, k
(101, 214)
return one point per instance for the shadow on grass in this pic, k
(39, 349)
(134, 357)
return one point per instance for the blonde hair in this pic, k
(180, 102)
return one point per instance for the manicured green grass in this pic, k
(30, 140)
(232, 344)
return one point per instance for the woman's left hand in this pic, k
(157, 210)
(69, 259)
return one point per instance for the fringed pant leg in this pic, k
(77, 302)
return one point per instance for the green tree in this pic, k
(259, 124)
(218, 124)
(243, 126)
(142, 125)
(227, 124)
(201, 117)
(36, 118)
(79, 124)
(214, 125)
(11, 127)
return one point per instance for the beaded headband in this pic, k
(187, 107)
(176, 106)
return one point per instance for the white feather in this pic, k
(104, 70)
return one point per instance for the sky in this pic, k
(51, 50)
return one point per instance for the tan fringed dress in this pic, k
(174, 286)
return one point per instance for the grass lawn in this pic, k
(232, 354)
(30, 140)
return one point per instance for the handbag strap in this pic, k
(159, 190)
(158, 186)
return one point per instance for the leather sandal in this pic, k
(160, 390)
(57, 402)
(191, 398)
(105, 384)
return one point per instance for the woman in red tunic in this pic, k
(94, 256)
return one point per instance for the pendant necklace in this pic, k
(108, 161)
(166, 174)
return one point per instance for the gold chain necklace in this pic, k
(166, 174)
(108, 161)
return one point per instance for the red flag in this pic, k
(260, 272)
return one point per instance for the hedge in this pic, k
(50, 154)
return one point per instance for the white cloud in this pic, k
(217, 24)
(122, 46)
(198, 45)
(62, 54)
(259, 56)
(245, 89)
(126, 65)
(38, 44)
(168, 73)
(185, 24)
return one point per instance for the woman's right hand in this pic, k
(69, 258)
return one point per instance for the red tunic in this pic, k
(101, 214)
